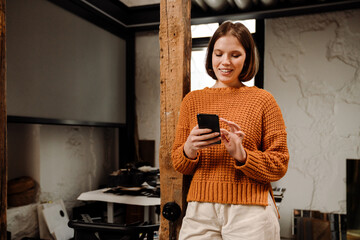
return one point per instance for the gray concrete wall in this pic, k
(312, 66)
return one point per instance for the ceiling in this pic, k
(137, 3)
(122, 16)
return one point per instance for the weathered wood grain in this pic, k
(175, 55)
(3, 127)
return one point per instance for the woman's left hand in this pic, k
(233, 140)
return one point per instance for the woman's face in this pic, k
(228, 59)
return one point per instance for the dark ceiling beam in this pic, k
(114, 8)
(92, 15)
(144, 16)
(282, 10)
(120, 19)
(148, 16)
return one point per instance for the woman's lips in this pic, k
(225, 71)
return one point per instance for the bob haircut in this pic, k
(238, 30)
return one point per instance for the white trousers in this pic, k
(214, 221)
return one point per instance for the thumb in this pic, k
(224, 134)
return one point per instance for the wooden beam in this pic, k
(3, 122)
(175, 54)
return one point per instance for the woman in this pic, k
(230, 193)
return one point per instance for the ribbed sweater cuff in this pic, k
(251, 164)
(183, 164)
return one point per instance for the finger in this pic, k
(240, 134)
(196, 144)
(202, 131)
(194, 130)
(201, 135)
(207, 143)
(198, 131)
(223, 119)
(209, 136)
(233, 126)
(224, 135)
(214, 140)
(224, 131)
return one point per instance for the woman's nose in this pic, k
(225, 60)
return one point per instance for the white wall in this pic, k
(62, 66)
(64, 160)
(312, 66)
(147, 83)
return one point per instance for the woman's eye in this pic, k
(236, 56)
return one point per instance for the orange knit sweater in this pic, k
(217, 177)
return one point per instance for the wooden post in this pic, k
(3, 127)
(175, 55)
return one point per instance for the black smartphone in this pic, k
(209, 121)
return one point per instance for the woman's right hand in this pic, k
(199, 139)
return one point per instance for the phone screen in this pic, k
(209, 121)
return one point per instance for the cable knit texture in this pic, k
(217, 177)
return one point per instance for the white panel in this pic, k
(61, 66)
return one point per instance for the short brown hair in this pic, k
(245, 38)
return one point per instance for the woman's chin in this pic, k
(229, 82)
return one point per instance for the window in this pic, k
(201, 35)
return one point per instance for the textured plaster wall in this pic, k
(312, 67)
(147, 82)
(64, 160)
